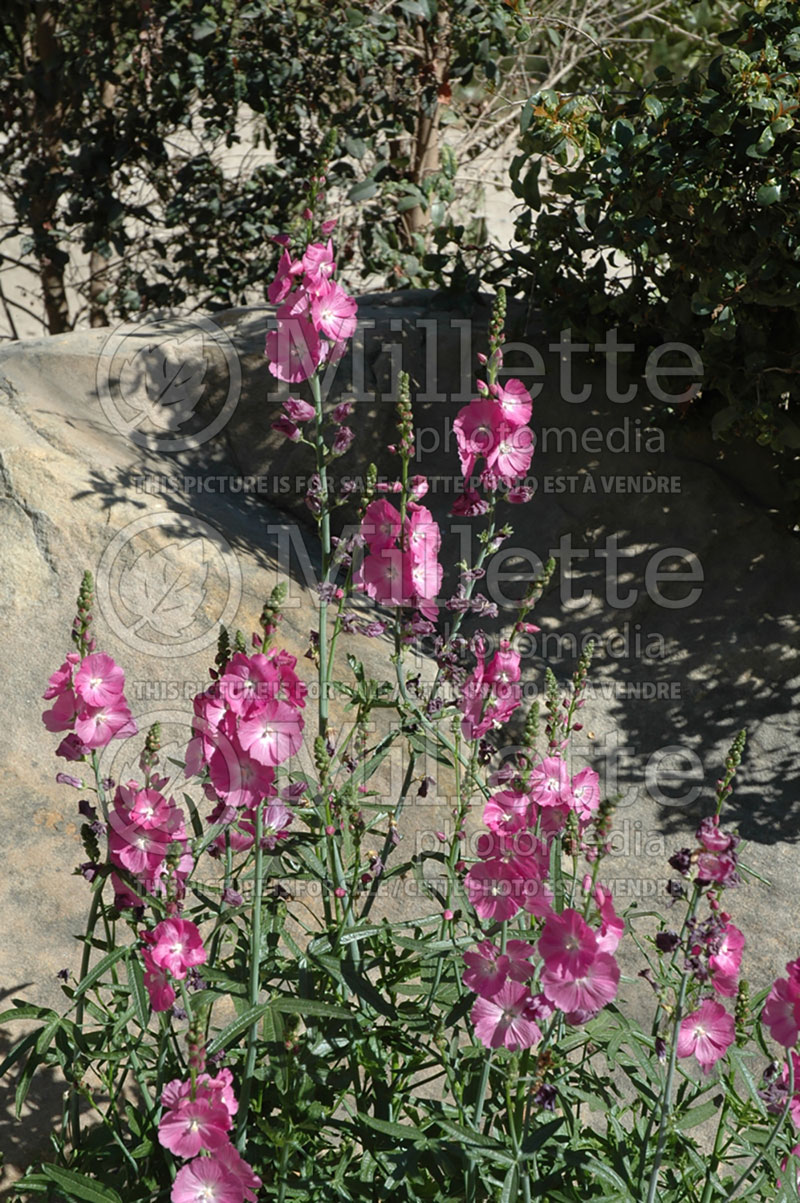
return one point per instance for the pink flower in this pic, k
(62, 715)
(96, 726)
(159, 987)
(707, 1033)
(273, 734)
(507, 811)
(176, 945)
(318, 260)
(59, 682)
(611, 925)
(293, 350)
(298, 410)
(238, 1168)
(281, 286)
(503, 1020)
(586, 793)
(567, 943)
(714, 840)
(504, 667)
(515, 401)
(486, 969)
(511, 455)
(99, 681)
(334, 312)
(469, 504)
(550, 783)
(518, 953)
(216, 1090)
(381, 525)
(206, 1180)
(781, 1011)
(492, 887)
(477, 430)
(248, 680)
(585, 994)
(192, 1126)
(726, 962)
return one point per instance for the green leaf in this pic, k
(363, 190)
(698, 1115)
(403, 1132)
(303, 1007)
(768, 194)
(138, 992)
(653, 106)
(540, 1136)
(510, 1186)
(78, 1186)
(26, 1011)
(355, 147)
(102, 965)
(235, 1028)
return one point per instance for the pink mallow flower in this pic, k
(550, 783)
(515, 401)
(707, 1033)
(176, 945)
(781, 1011)
(194, 1125)
(159, 987)
(99, 681)
(206, 1180)
(239, 1169)
(273, 734)
(504, 1020)
(586, 793)
(726, 962)
(567, 944)
(582, 996)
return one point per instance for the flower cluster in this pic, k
(195, 1126)
(171, 950)
(577, 975)
(491, 692)
(245, 723)
(714, 860)
(145, 829)
(577, 972)
(315, 315)
(494, 428)
(90, 703)
(401, 567)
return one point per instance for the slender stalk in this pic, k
(325, 537)
(255, 978)
(773, 1136)
(666, 1098)
(74, 1102)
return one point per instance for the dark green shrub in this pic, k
(674, 214)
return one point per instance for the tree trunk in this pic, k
(425, 150)
(45, 127)
(98, 263)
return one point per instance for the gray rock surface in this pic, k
(112, 450)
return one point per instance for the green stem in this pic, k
(325, 536)
(255, 978)
(666, 1098)
(773, 1136)
(74, 1102)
